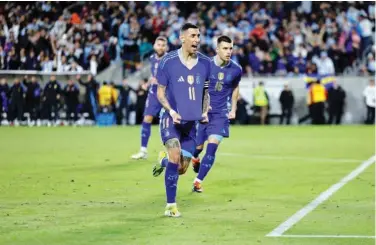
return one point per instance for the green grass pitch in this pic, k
(78, 186)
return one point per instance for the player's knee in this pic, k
(148, 119)
(215, 139)
(200, 147)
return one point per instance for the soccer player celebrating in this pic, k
(152, 105)
(225, 76)
(181, 91)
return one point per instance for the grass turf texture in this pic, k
(79, 186)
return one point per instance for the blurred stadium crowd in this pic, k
(271, 38)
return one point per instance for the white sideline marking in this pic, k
(274, 157)
(328, 236)
(295, 218)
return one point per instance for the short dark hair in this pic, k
(187, 26)
(224, 38)
(161, 38)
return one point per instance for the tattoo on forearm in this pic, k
(206, 101)
(161, 94)
(172, 143)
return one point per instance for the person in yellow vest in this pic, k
(317, 96)
(115, 96)
(105, 95)
(261, 101)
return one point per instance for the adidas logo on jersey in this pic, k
(181, 79)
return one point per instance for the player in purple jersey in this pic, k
(224, 80)
(182, 76)
(152, 105)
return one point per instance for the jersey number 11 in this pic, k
(192, 94)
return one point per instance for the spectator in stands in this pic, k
(371, 64)
(369, 94)
(325, 64)
(336, 103)
(287, 102)
(365, 29)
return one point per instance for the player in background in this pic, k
(152, 105)
(182, 76)
(224, 80)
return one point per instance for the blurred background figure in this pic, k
(4, 99)
(91, 96)
(142, 94)
(105, 98)
(336, 103)
(51, 99)
(124, 108)
(317, 96)
(32, 99)
(16, 107)
(287, 103)
(369, 94)
(261, 102)
(71, 93)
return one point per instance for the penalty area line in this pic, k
(295, 218)
(329, 236)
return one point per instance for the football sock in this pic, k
(171, 181)
(207, 161)
(164, 162)
(145, 134)
(197, 152)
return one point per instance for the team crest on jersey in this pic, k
(190, 79)
(221, 75)
(198, 79)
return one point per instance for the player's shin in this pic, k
(171, 181)
(145, 135)
(207, 161)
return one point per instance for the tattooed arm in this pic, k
(205, 103)
(161, 94)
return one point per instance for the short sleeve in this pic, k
(237, 78)
(162, 73)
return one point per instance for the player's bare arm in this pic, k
(234, 101)
(206, 106)
(161, 94)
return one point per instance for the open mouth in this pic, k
(194, 46)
